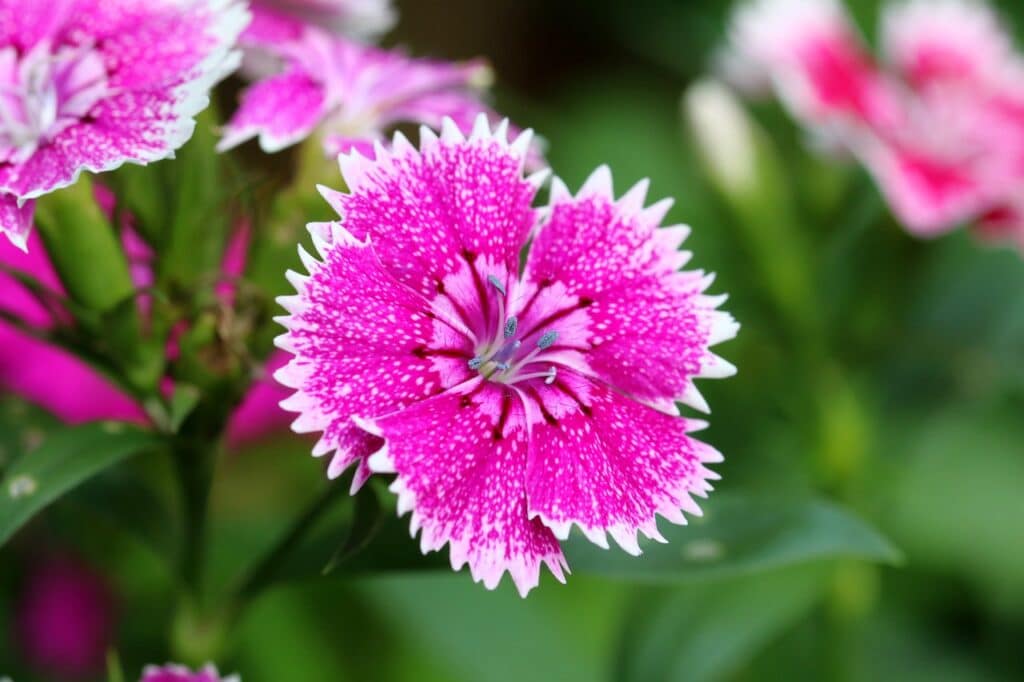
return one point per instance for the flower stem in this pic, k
(195, 474)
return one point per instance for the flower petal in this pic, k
(812, 51)
(430, 210)
(281, 110)
(649, 326)
(461, 463)
(610, 464)
(942, 41)
(358, 337)
(15, 220)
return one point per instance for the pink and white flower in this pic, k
(352, 93)
(939, 122)
(510, 404)
(812, 52)
(179, 673)
(87, 85)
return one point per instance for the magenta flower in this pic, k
(510, 405)
(352, 93)
(64, 618)
(28, 365)
(939, 122)
(87, 85)
(179, 673)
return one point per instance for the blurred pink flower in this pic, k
(179, 673)
(64, 618)
(87, 85)
(354, 93)
(510, 406)
(353, 18)
(28, 365)
(939, 122)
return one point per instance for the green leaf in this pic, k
(68, 457)
(706, 632)
(739, 535)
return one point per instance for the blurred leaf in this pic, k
(23, 427)
(184, 400)
(739, 535)
(706, 632)
(496, 636)
(954, 500)
(68, 457)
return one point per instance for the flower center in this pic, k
(43, 92)
(504, 357)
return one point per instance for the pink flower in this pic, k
(87, 85)
(179, 673)
(812, 52)
(939, 123)
(28, 365)
(64, 618)
(510, 405)
(352, 93)
(354, 18)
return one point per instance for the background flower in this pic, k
(937, 122)
(88, 85)
(64, 619)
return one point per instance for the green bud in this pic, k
(83, 247)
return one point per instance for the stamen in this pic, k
(511, 324)
(548, 376)
(547, 340)
(496, 283)
(476, 362)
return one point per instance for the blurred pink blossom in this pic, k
(938, 121)
(64, 618)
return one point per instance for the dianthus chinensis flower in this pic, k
(310, 80)
(87, 85)
(510, 405)
(179, 673)
(939, 121)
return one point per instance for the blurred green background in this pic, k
(891, 384)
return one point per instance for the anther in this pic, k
(511, 324)
(476, 362)
(547, 340)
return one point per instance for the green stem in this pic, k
(195, 463)
(265, 570)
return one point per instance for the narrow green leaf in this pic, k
(65, 459)
(738, 535)
(367, 520)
